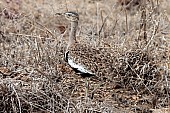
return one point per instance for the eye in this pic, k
(69, 14)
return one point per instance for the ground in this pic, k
(35, 78)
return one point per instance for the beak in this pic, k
(59, 14)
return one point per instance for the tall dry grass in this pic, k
(35, 78)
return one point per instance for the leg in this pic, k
(87, 88)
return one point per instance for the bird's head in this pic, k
(71, 16)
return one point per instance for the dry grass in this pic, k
(35, 78)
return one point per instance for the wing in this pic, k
(94, 61)
(78, 68)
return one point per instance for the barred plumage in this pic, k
(85, 59)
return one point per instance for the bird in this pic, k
(86, 60)
(83, 58)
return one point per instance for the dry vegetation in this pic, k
(34, 78)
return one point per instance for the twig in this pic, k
(102, 25)
(153, 34)
(19, 103)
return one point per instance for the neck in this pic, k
(72, 35)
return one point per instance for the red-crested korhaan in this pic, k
(85, 59)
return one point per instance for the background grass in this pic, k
(35, 78)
